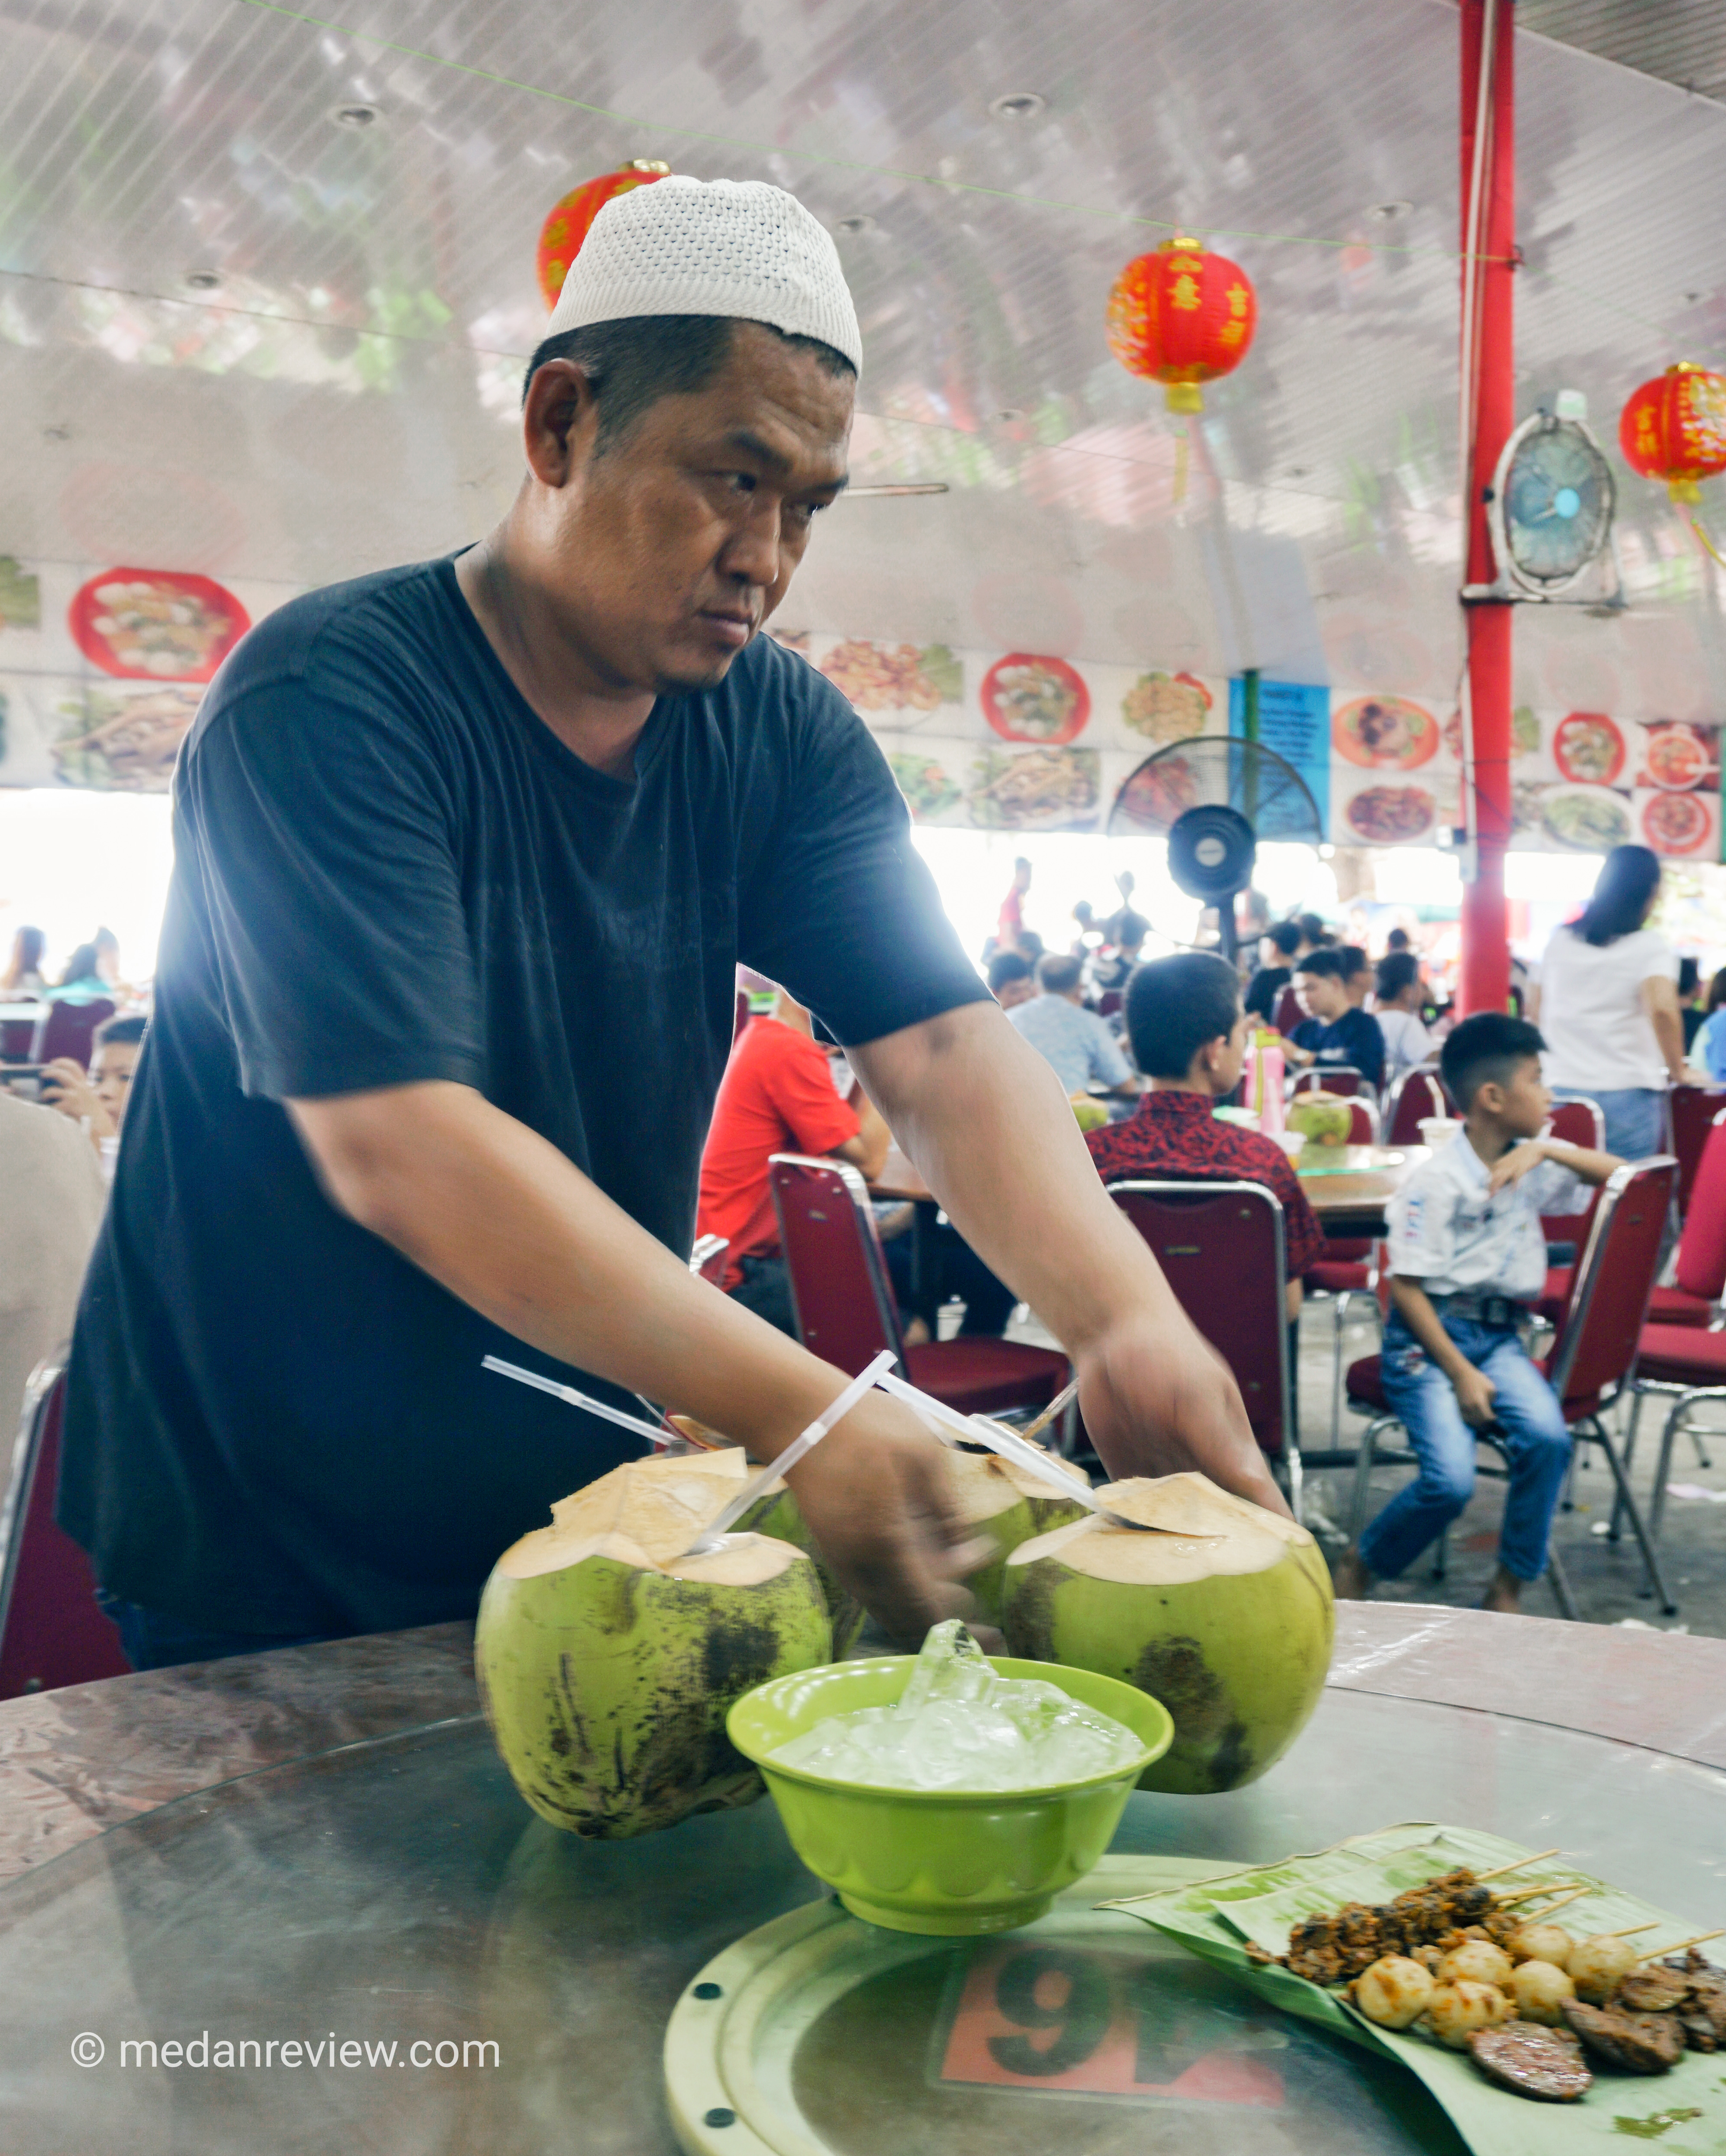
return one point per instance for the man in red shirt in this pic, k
(777, 1095)
(1188, 1036)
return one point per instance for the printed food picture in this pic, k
(156, 624)
(1676, 757)
(924, 782)
(1680, 823)
(1042, 789)
(1028, 699)
(1384, 733)
(123, 743)
(1588, 748)
(1166, 707)
(1524, 732)
(1392, 815)
(1589, 818)
(900, 677)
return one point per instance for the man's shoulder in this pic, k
(356, 643)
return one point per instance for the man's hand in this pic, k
(1475, 1395)
(876, 1495)
(72, 1095)
(1157, 1402)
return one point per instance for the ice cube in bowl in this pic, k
(944, 1860)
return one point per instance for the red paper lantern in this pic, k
(1674, 427)
(561, 235)
(1181, 316)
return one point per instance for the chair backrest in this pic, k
(1702, 1247)
(1580, 1122)
(1109, 1001)
(1363, 1121)
(1416, 1096)
(1596, 1347)
(1694, 1109)
(1340, 1078)
(67, 1029)
(1288, 1014)
(840, 1293)
(17, 1037)
(51, 1632)
(1220, 1246)
(706, 1261)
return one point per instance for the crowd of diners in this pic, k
(1165, 1040)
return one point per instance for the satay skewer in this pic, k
(1539, 1856)
(1701, 1940)
(1630, 1930)
(1528, 1894)
(1576, 1894)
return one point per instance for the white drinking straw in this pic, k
(586, 1400)
(758, 1485)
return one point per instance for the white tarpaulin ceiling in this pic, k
(248, 341)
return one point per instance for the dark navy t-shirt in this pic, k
(389, 870)
(1353, 1041)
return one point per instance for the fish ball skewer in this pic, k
(1539, 1990)
(1547, 1943)
(1456, 2011)
(1393, 1992)
(1478, 1960)
(1597, 1966)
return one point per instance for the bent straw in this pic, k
(1010, 1446)
(583, 1400)
(757, 1485)
(1063, 1399)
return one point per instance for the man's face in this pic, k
(111, 1075)
(1231, 1059)
(667, 551)
(1011, 993)
(1320, 996)
(1526, 1102)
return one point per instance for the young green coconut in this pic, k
(608, 1659)
(1003, 1501)
(1232, 1633)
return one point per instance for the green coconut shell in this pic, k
(608, 1659)
(1234, 1636)
(777, 1514)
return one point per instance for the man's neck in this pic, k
(1488, 1137)
(1190, 1084)
(598, 720)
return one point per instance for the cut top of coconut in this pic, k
(1205, 1532)
(658, 1507)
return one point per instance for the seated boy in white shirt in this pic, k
(1467, 1257)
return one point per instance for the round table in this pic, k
(367, 1878)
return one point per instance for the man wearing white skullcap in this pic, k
(467, 854)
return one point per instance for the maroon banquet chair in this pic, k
(1221, 1249)
(51, 1632)
(1590, 1365)
(1288, 1013)
(1414, 1098)
(1348, 1270)
(1694, 1110)
(1342, 1078)
(844, 1304)
(68, 1028)
(1578, 1122)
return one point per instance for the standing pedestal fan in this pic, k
(1213, 798)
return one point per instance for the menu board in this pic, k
(1294, 720)
(1583, 781)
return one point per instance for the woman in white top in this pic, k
(1396, 1005)
(1609, 1006)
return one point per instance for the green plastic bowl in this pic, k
(941, 1859)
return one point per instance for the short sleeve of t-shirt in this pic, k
(839, 906)
(1108, 1066)
(1419, 1219)
(333, 897)
(800, 1087)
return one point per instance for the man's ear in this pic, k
(559, 422)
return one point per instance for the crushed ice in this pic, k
(958, 1725)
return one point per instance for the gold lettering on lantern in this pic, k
(1231, 333)
(1183, 293)
(1237, 299)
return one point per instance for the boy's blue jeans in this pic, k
(1535, 1435)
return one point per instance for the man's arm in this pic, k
(867, 1153)
(1474, 1390)
(985, 1118)
(1660, 999)
(1583, 1162)
(508, 1223)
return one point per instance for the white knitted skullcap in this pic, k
(711, 246)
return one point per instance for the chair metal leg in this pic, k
(1442, 1554)
(1702, 1456)
(1632, 1511)
(1297, 1482)
(1559, 1582)
(1664, 1467)
(1363, 1472)
(1615, 1526)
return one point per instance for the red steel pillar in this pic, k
(1488, 405)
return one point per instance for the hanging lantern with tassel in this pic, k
(570, 220)
(1181, 316)
(1674, 427)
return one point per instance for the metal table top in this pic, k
(394, 1890)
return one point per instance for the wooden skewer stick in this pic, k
(1481, 1877)
(1552, 1886)
(1575, 1893)
(1701, 1938)
(1630, 1930)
